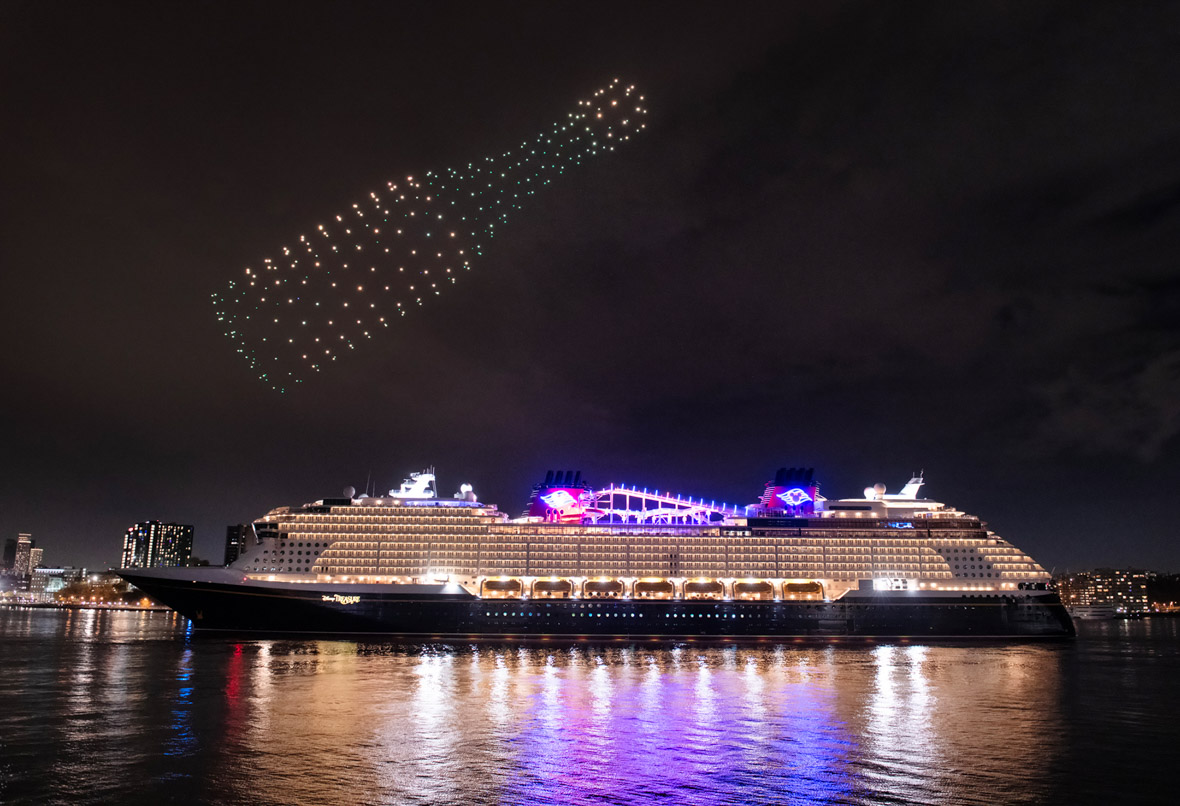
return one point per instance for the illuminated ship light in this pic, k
(618, 503)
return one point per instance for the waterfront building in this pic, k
(154, 545)
(45, 582)
(235, 541)
(36, 556)
(1115, 591)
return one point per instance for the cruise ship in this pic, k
(621, 561)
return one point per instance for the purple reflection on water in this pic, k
(679, 724)
(182, 741)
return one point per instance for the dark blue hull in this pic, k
(296, 609)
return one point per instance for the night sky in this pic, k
(864, 238)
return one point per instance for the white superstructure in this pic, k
(766, 550)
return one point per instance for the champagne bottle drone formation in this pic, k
(348, 279)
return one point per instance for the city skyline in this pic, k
(869, 240)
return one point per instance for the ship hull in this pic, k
(320, 610)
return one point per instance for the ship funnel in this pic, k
(915, 484)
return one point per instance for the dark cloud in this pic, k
(863, 237)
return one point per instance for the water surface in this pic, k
(129, 707)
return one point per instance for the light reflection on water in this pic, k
(100, 707)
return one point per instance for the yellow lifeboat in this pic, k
(803, 589)
(500, 588)
(753, 590)
(552, 588)
(654, 589)
(704, 589)
(602, 588)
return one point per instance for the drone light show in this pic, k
(346, 280)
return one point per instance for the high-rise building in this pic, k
(1122, 590)
(35, 558)
(235, 541)
(22, 564)
(154, 544)
(9, 558)
(1076, 590)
